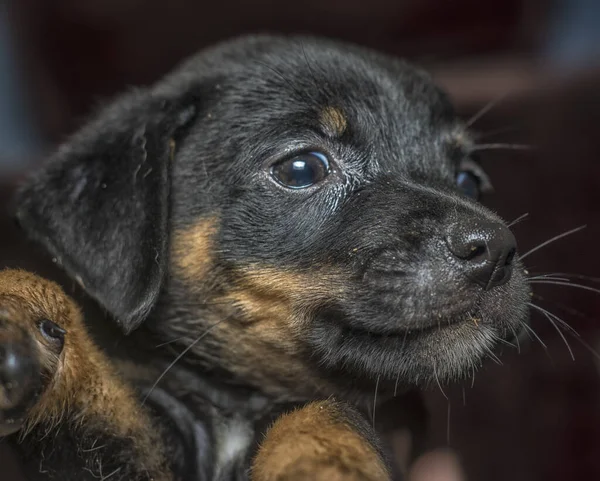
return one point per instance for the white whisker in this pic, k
(519, 219)
(545, 313)
(485, 109)
(183, 353)
(567, 284)
(375, 399)
(499, 146)
(530, 330)
(553, 239)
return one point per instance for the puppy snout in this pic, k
(485, 249)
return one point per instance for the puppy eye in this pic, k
(51, 331)
(472, 180)
(469, 184)
(301, 171)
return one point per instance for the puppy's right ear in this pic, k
(100, 205)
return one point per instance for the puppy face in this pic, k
(320, 228)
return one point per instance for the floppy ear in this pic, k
(101, 203)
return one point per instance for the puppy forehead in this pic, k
(272, 92)
(305, 74)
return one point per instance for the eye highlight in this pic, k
(301, 171)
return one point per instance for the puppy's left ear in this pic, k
(100, 205)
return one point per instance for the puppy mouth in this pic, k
(435, 320)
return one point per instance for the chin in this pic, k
(420, 346)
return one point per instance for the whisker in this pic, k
(438, 383)
(519, 219)
(588, 347)
(183, 353)
(554, 316)
(448, 425)
(501, 146)
(553, 239)
(566, 308)
(570, 276)
(501, 130)
(485, 109)
(472, 376)
(568, 284)
(514, 333)
(375, 399)
(545, 313)
(398, 376)
(578, 337)
(549, 277)
(493, 356)
(531, 330)
(162, 344)
(504, 341)
(404, 340)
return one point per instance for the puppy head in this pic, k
(312, 204)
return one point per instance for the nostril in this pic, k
(510, 257)
(487, 250)
(476, 251)
(466, 247)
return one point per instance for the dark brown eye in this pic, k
(468, 183)
(302, 170)
(51, 331)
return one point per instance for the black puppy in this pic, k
(292, 219)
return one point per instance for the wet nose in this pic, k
(485, 249)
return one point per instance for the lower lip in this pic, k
(403, 334)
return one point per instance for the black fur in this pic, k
(72, 452)
(102, 205)
(109, 201)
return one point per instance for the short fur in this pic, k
(263, 298)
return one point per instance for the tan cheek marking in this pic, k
(275, 302)
(333, 121)
(192, 250)
(319, 283)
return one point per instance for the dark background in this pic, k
(538, 415)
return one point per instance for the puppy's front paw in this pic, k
(20, 377)
(30, 349)
(323, 441)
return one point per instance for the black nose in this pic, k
(486, 250)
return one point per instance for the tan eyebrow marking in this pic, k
(333, 121)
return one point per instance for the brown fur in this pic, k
(192, 251)
(84, 385)
(10, 333)
(257, 313)
(333, 121)
(316, 443)
(266, 308)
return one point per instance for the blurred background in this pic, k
(537, 416)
